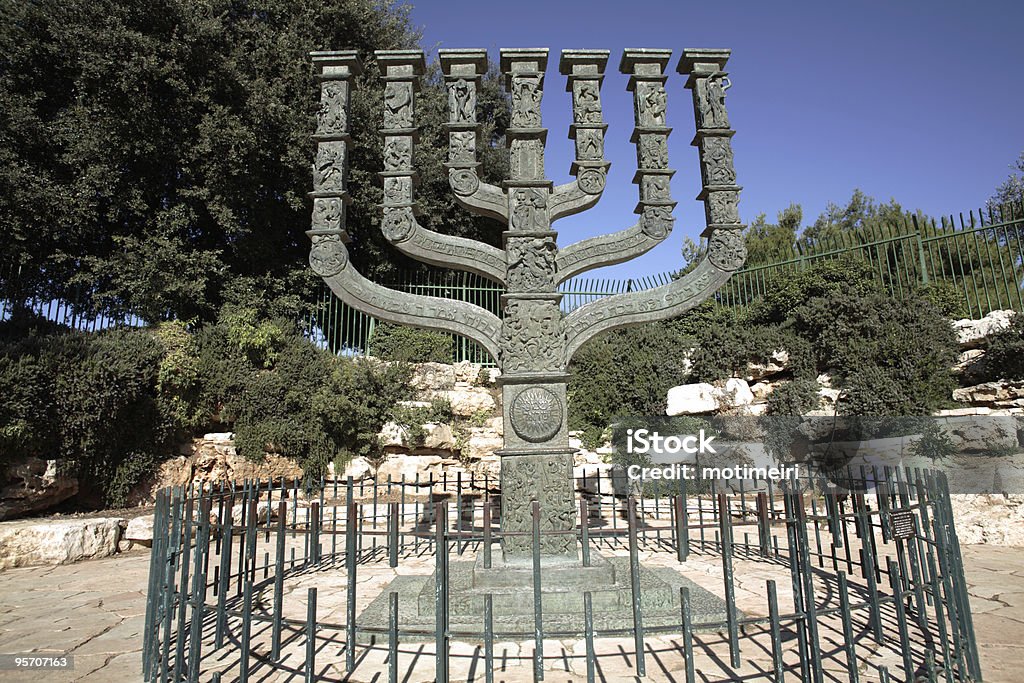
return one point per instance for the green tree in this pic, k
(155, 156)
(1011, 190)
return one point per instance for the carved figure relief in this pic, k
(329, 167)
(463, 181)
(586, 107)
(723, 207)
(718, 162)
(531, 336)
(711, 101)
(529, 210)
(398, 105)
(653, 151)
(328, 213)
(461, 101)
(461, 146)
(531, 264)
(398, 224)
(727, 249)
(656, 188)
(397, 190)
(548, 481)
(657, 222)
(526, 95)
(536, 414)
(398, 154)
(652, 106)
(328, 256)
(589, 144)
(332, 117)
(591, 180)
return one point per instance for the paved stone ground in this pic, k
(94, 611)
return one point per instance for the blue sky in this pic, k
(918, 101)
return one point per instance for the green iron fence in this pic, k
(981, 255)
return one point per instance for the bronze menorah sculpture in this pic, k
(533, 341)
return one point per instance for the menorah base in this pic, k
(561, 602)
(563, 572)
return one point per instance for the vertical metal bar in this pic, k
(311, 636)
(275, 647)
(584, 531)
(588, 633)
(896, 583)
(687, 627)
(487, 533)
(393, 637)
(195, 639)
(489, 637)
(810, 609)
(227, 532)
(393, 534)
(243, 658)
(441, 594)
(634, 582)
(775, 629)
(848, 636)
(183, 591)
(350, 575)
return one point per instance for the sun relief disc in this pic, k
(536, 414)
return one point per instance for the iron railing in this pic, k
(870, 555)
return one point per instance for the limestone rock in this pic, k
(735, 393)
(776, 363)
(140, 530)
(998, 394)
(702, 398)
(991, 519)
(981, 433)
(482, 443)
(467, 401)
(358, 468)
(34, 485)
(692, 399)
(970, 333)
(401, 466)
(31, 542)
(761, 391)
(432, 377)
(393, 435)
(466, 371)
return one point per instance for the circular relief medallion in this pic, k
(591, 181)
(464, 182)
(328, 256)
(727, 249)
(657, 222)
(536, 414)
(397, 225)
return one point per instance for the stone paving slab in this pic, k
(94, 610)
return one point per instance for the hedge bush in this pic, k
(1004, 352)
(410, 345)
(110, 406)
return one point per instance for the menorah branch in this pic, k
(646, 70)
(401, 70)
(463, 70)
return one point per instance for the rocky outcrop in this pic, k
(999, 394)
(971, 333)
(703, 398)
(31, 542)
(34, 485)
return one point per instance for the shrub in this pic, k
(624, 372)
(946, 297)
(723, 352)
(796, 397)
(410, 345)
(787, 291)
(893, 356)
(1004, 352)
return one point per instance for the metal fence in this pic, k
(868, 582)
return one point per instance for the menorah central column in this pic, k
(536, 460)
